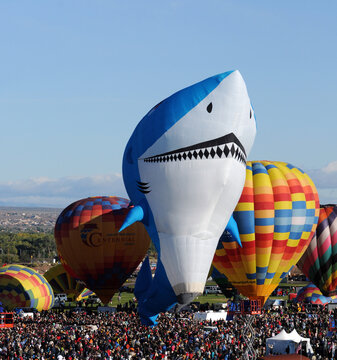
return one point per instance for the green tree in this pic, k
(26, 247)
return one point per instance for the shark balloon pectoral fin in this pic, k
(135, 214)
(232, 228)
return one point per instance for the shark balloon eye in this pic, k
(209, 107)
(250, 114)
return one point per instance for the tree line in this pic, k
(23, 247)
(26, 247)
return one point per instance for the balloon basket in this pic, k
(251, 307)
(246, 307)
(6, 320)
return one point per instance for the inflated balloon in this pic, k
(319, 262)
(221, 280)
(85, 294)
(21, 286)
(92, 249)
(184, 169)
(312, 295)
(276, 217)
(62, 282)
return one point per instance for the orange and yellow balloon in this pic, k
(277, 216)
(21, 286)
(91, 248)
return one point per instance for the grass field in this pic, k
(210, 298)
(125, 298)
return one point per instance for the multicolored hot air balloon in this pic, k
(312, 294)
(91, 248)
(84, 294)
(21, 286)
(319, 261)
(63, 283)
(276, 218)
(221, 280)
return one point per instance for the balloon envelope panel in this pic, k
(91, 247)
(62, 282)
(276, 217)
(21, 286)
(222, 281)
(319, 262)
(313, 295)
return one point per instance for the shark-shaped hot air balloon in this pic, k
(184, 170)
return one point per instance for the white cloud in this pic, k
(325, 180)
(59, 192)
(330, 168)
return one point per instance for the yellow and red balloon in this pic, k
(21, 286)
(276, 216)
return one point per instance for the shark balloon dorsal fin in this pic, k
(232, 228)
(135, 214)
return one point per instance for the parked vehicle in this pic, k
(212, 289)
(93, 299)
(60, 299)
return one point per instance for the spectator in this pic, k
(120, 335)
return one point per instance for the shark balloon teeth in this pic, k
(184, 169)
(227, 146)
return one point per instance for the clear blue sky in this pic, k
(77, 76)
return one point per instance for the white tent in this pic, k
(298, 338)
(280, 343)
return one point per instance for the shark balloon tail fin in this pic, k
(160, 297)
(135, 214)
(232, 228)
(144, 280)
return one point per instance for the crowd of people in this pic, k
(87, 335)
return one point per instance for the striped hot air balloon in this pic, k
(312, 295)
(221, 280)
(91, 248)
(276, 217)
(319, 262)
(63, 283)
(21, 286)
(85, 294)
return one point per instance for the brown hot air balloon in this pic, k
(91, 248)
